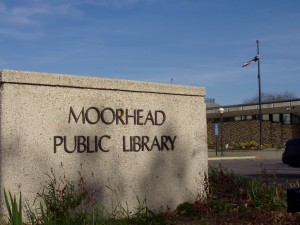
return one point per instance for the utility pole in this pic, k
(259, 96)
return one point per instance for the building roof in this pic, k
(210, 105)
(287, 106)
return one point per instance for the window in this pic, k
(266, 117)
(248, 117)
(237, 118)
(228, 119)
(286, 118)
(295, 119)
(276, 118)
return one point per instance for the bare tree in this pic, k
(271, 97)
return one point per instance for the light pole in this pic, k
(221, 111)
(259, 97)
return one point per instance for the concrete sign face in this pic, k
(139, 140)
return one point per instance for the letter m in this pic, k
(76, 118)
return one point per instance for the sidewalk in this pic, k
(230, 154)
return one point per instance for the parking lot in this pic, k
(260, 164)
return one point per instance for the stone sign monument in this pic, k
(130, 140)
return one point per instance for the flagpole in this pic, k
(259, 96)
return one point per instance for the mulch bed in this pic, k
(251, 217)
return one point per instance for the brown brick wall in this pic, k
(246, 131)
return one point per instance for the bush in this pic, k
(60, 201)
(251, 145)
(242, 192)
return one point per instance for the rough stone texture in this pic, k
(35, 108)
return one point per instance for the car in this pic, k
(291, 154)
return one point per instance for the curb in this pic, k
(230, 158)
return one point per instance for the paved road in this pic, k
(265, 154)
(273, 166)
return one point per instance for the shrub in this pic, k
(244, 192)
(251, 145)
(60, 203)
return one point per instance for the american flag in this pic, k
(251, 61)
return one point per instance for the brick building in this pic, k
(240, 123)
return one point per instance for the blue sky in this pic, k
(194, 42)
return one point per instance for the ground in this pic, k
(252, 217)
